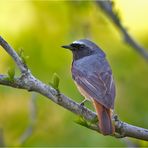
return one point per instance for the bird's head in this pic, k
(82, 48)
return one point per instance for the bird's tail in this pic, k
(104, 116)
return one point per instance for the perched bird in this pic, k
(93, 77)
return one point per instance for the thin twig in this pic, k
(107, 7)
(33, 111)
(13, 54)
(28, 82)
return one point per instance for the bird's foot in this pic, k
(83, 102)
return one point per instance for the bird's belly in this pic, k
(83, 92)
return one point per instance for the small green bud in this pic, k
(23, 57)
(55, 80)
(94, 120)
(11, 73)
(80, 120)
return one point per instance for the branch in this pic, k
(107, 7)
(28, 82)
(33, 111)
(21, 65)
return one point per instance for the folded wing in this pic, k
(99, 86)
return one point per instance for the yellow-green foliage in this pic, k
(40, 28)
(55, 81)
(22, 56)
(11, 73)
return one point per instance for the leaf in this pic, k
(11, 73)
(23, 57)
(55, 80)
(80, 120)
(94, 120)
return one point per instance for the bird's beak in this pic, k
(67, 47)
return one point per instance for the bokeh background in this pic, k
(40, 28)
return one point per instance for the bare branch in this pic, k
(29, 130)
(107, 7)
(13, 54)
(28, 82)
(128, 130)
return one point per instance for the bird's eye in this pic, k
(77, 46)
(81, 46)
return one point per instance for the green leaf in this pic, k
(94, 120)
(23, 57)
(11, 73)
(80, 120)
(55, 80)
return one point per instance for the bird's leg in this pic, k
(82, 103)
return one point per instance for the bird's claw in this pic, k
(83, 102)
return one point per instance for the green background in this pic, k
(40, 28)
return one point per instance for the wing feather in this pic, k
(99, 86)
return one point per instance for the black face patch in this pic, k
(77, 46)
(74, 45)
(83, 48)
(81, 52)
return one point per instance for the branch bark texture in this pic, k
(107, 7)
(28, 82)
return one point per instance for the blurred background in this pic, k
(40, 28)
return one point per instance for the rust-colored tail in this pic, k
(104, 116)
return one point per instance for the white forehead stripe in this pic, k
(77, 42)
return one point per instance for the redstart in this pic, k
(93, 77)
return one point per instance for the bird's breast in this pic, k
(89, 65)
(83, 92)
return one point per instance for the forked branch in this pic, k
(28, 82)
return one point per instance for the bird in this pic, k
(93, 77)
